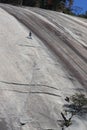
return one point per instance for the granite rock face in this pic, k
(37, 74)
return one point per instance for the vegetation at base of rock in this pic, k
(76, 105)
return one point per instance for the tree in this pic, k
(79, 101)
(37, 3)
(56, 3)
(70, 3)
(77, 105)
(21, 2)
(67, 122)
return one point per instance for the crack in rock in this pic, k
(52, 94)
(18, 91)
(13, 83)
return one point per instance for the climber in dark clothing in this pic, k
(30, 35)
